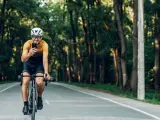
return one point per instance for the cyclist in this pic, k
(35, 61)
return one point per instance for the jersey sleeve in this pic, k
(26, 47)
(45, 49)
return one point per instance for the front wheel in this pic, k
(33, 104)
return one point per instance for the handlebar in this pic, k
(34, 76)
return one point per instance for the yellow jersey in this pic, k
(42, 49)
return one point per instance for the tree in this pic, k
(122, 39)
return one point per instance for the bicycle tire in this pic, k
(30, 102)
(34, 104)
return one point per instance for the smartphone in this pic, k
(34, 45)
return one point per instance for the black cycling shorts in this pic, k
(33, 68)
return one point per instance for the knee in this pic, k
(39, 82)
(25, 81)
(25, 84)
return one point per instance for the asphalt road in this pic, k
(66, 102)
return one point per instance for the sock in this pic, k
(26, 103)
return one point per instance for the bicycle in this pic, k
(33, 94)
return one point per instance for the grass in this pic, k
(151, 96)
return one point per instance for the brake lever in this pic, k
(46, 81)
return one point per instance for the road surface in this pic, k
(67, 102)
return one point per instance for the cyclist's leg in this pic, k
(40, 80)
(40, 85)
(25, 85)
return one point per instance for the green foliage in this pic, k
(3, 58)
(22, 15)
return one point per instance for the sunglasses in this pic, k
(38, 37)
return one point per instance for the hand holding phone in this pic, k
(34, 45)
(33, 50)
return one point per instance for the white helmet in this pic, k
(36, 32)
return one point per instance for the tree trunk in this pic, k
(2, 21)
(74, 42)
(86, 66)
(156, 65)
(101, 67)
(135, 48)
(115, 61)
(68, 68)
(90, 42)
(119, 70)
(81, 72)
(94, 49)
(123, 42)
(157, 52)
(95, 64)
(85, 33)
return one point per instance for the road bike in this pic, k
(33, 94)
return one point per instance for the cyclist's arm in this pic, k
(45, 57)
(25, 54)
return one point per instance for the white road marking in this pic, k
(47, 101)
(121, 104)
(66, 118)
(8, 87)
